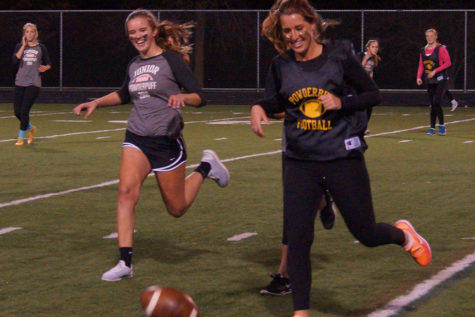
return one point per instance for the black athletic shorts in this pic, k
(164, 153)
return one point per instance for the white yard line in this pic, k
(24, 200)
(9, 229)
(242, 236)
(422, 289)
(390, 309)
(415, 128)
(108, 130)
(113, 182)
(69, 134)
(40, 114)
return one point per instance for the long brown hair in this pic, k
(377, 58)
(170, 36)
(272, 29)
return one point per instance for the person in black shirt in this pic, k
(324, 139)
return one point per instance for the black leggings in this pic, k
(449, 95)
(436, 93)
(348, 182)
(24, 99)
(369, 110)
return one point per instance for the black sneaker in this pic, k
(327, 214)
(279, 286)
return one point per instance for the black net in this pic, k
(225, 53)
(96, 50)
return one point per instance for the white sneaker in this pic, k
(117, 272)
(218, 172)
(455, 104)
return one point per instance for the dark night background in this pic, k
(95, 49)
(230, 4)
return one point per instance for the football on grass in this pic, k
(158, 301)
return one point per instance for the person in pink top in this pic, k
(434, 60)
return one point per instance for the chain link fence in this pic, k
(89, 49)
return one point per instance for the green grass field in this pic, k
(52, 266)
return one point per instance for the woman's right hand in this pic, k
(24, 42)
(256, 116)
(419, 81)
(88, 106)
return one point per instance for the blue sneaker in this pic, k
(442, 130)
(431, 131)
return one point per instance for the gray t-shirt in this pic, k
(149, 83)
(28, 73)
(370, 63)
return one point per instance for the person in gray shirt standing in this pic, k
(32, 59)
(153, 138)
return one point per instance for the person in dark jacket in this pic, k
(324, 139)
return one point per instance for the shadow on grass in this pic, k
(270, 258)
(164, 251)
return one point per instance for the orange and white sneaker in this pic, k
(20, 142)
(31, 134)
(417, 246)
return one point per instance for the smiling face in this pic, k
(298, 34)
(31, 34)
(141, 35)
(373, 48)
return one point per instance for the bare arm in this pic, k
(111, 99)
(258, 115)
(180, 100)
(365, 59)
(44, 68)
(22, 48)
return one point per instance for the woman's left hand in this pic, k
(176, 101)
(431, 74)
(330, 101)
(43, 68)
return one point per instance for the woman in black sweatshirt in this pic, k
(324, 128)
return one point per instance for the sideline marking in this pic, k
(405, 141)
(242, 236)
(102, 137)
(9, 229)
(220, 139)
(467, 142)
(422, 289)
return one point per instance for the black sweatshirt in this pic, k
(311, 131)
